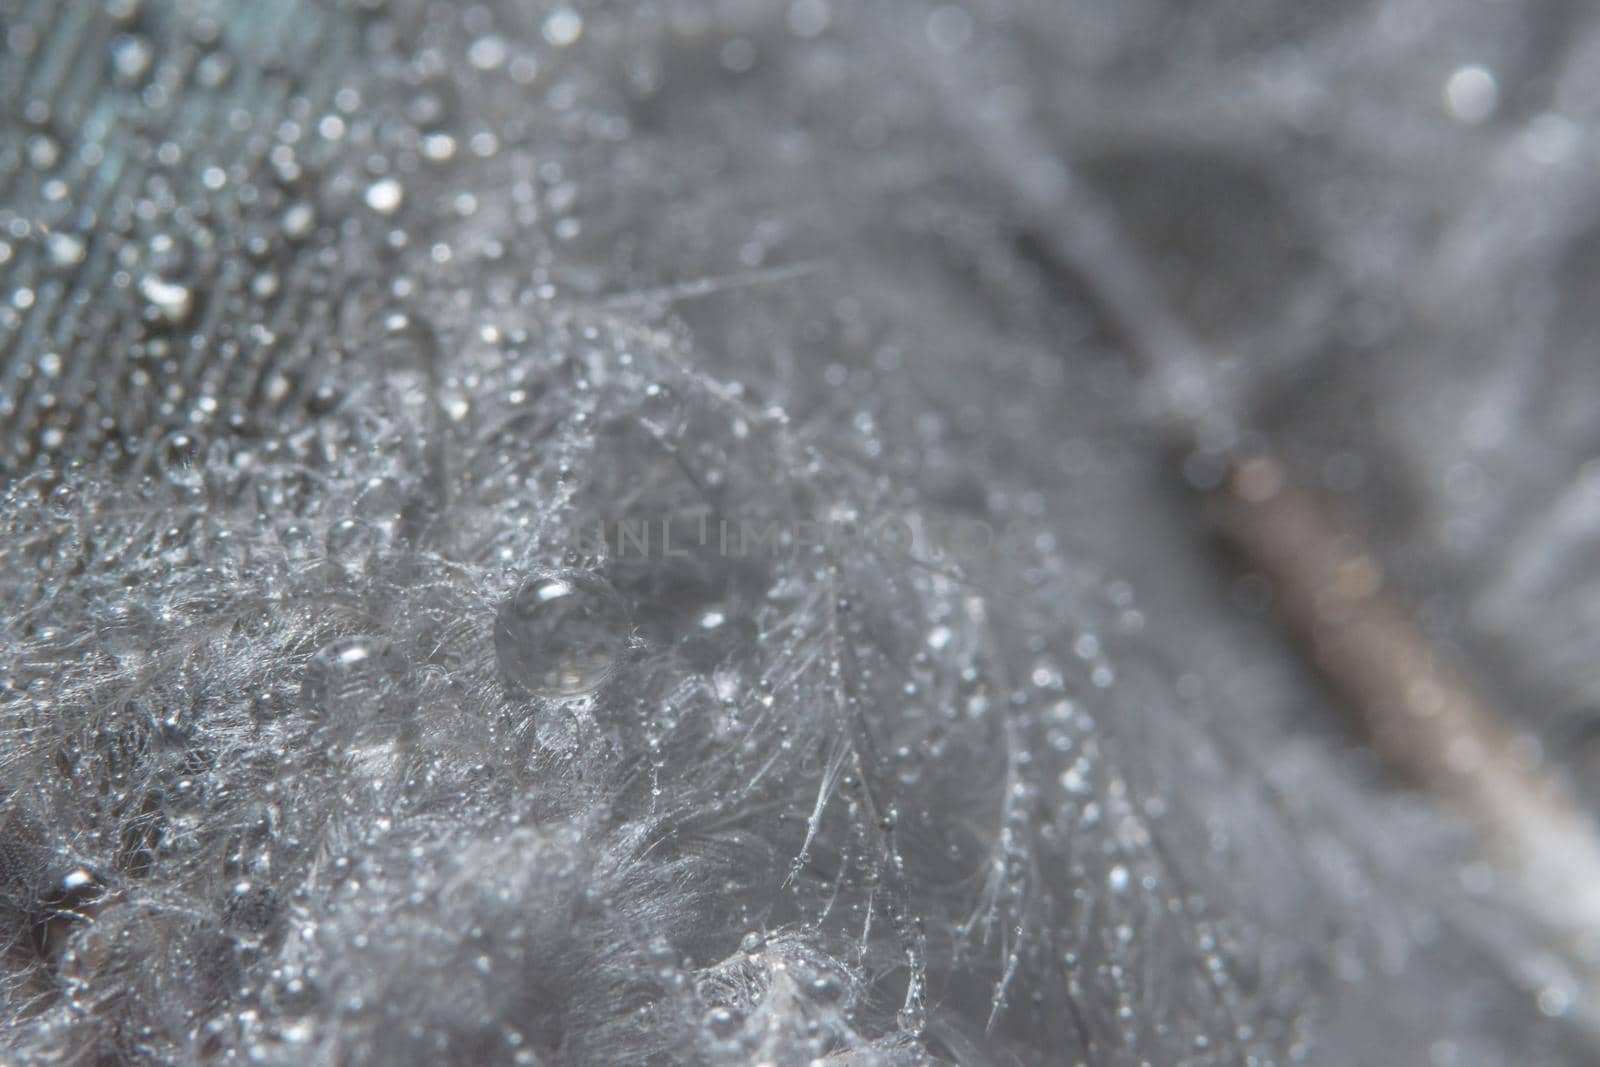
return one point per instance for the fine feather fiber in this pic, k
(605, 534)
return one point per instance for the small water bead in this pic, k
(74, 899)
(723, 1022)
(299, 220)
(433, 106)
(179, 457)
(563, 27)
(352, 542)
(408, 351)
(488, 53)
(827, 989)
(438, 147)
(1117, 879)
(1471, 94)
(561, 635)
(381, 503)
(168, 301)
(296, 539)
(65, 249)
(809, 18)
(385, 196)
(407, 342)
(249, 906)
(214, 70)
(131, 59)
(44, 151)
(357, 680)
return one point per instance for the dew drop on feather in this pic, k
(357, 679)
(561, 635)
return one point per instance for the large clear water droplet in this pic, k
(355, 680)
(179, 457)
(561, 635)
(352, 542)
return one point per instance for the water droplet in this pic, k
(169, 301)
(131, 57)
(65, 249)
(299, 219)
(488, 52)
(438, 146)
(723, 1022)
(738, 55)
(214, 70)
(44, 151)
(561, 635)
(381, 502)
(1471, 95)
(79, 880)
(358, 679)
(1117, 879)
(296, 540)
(179, 458)
(385, 196)
(1554, 1001)
(249, 906)
(809, 18)
(563, 27)
(74, 899)
(827, 989)
(407, 342)
(352, 542)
